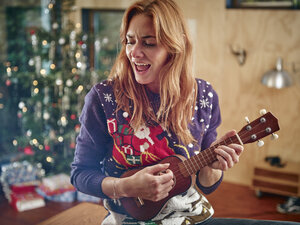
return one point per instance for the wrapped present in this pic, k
(25, 187)
(26, 201)
(20, 172)
(59, 181)
(64, 196)
(57, 188)
(20, 177)
(82, 197)
(58, 191)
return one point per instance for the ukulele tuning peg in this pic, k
(274, 136)
(260, 143)
(262, 112)
(247, 119)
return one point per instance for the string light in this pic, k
(60, 139)
(8, 70)
(74, 70)
(24, 109)
(79, 89)
(44, 42)
(52, 66)
(35, 83)
(15, 142)
(43, 71)
(36, 90)
(64, 121)
(78, 25)
(49, 159)
(35, 141)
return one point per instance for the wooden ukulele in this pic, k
(184, 169)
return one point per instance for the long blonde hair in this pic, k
(178, 87)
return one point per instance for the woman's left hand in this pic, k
(227, 156)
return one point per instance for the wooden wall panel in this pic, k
(265, 35)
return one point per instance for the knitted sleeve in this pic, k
(211, 134)
(93, 143)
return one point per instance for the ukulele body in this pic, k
(184, 169)
(142, 209)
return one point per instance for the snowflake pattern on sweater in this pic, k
(148, 145)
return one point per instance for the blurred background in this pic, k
(53, 51)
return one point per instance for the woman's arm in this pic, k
(227, 157)
(145, 184)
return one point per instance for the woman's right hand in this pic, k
(152, 183)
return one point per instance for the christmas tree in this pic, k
(43, 91)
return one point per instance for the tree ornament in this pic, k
(19, 114)
(8, 82)
(73, 117)
(77, 128)
(28, 150)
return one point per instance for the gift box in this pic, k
(55, 182)
(20, 172)
(25, 187)
(26, 201)
(62, 196)
(57, 188)
(20, 179)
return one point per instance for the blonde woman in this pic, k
(150, 108)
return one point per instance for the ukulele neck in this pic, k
(192, 165)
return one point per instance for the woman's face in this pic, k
(146, 56)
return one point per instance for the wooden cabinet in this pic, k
(271, 179)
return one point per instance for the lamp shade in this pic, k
(277, 78)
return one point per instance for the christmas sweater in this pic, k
(108, 146)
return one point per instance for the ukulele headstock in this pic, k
(261, 127)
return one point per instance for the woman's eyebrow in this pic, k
(148, 36)
(143, 37)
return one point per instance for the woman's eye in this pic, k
(149, 44)
(129, 42)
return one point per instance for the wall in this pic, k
(265, 35)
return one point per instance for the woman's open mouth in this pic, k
(141, 67)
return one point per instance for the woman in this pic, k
(150, 108)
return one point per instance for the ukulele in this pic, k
(184, 170)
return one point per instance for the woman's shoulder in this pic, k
(205, 88)
(105, 85)
(203, 84)
(102, 92)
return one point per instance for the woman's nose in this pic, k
(137, 51)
